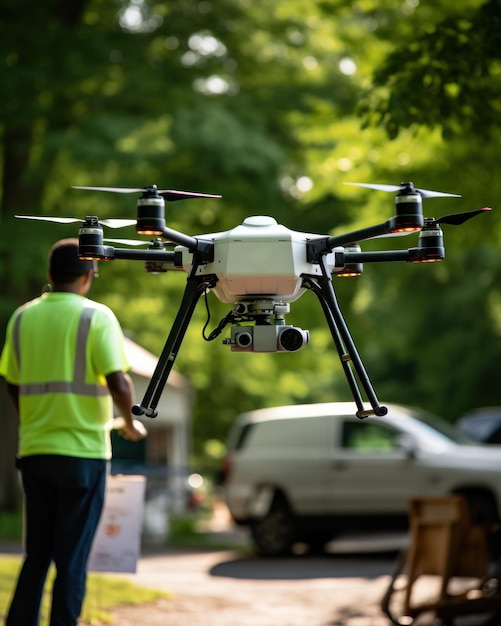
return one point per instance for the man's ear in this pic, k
(87, 279)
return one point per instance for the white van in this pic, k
(306, 472)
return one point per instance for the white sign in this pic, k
(117, 543)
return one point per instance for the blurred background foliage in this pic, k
(273, 105)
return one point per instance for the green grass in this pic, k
(103, 593)
(11, 526)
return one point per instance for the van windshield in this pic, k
(238, 436)
(440, 426)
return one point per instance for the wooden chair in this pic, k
(443, 544)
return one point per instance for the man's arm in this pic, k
(13, 391)
(122, 391)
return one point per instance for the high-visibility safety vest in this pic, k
(59, 348)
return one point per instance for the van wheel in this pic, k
(274, 534)
(482, 507)
(483, 511)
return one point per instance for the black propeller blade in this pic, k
(456, 219)
(111, 223)
(170, 195)
(409, 188)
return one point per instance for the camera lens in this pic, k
(292, 339)
(243, 340)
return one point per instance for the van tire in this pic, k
(482, 507)
(275, 533)
(483, 511)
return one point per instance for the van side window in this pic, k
(367, 437)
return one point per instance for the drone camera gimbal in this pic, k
(260, 267)
(269, 333)
(264, 338)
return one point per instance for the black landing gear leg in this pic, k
(195, 287)
(323, 289)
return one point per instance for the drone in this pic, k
(260, 267)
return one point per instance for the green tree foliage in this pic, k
(448, 75)
(189, 95)
(441, 79)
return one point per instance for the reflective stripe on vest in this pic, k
(78, 384)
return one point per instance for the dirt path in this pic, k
(228, 588)
(233, 589)
(352, 602)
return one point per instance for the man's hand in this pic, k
(133, 431)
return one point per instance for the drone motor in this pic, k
(430, 243)
(150, 213)
(408, 210)
(408, 204)
(90, 240)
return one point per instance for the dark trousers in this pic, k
(64, 499)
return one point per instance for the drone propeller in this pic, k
(409, 188)
(456, 219)
(168, 194)
(157, 244)
(127, 242)
(111, 223)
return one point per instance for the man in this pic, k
(64, 364)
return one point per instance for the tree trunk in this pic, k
(10, 489)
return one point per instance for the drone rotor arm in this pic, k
(381, 256)
(163, 256)
(383, 229)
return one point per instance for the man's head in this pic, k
(65, 267)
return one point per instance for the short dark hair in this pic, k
(64, 264)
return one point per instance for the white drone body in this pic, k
(259, 258)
